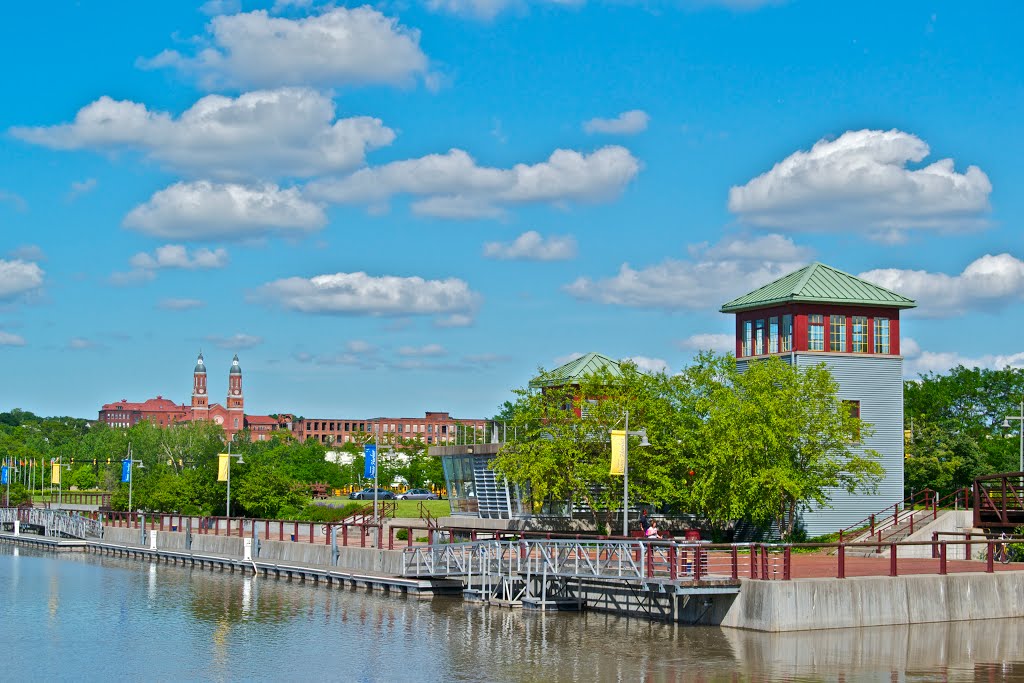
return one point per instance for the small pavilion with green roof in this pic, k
(573, 372)
(821, 315)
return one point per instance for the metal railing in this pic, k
(53, 522)
(999, 500)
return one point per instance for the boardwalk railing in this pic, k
(53, 522)
(999, 501)
(631, 560)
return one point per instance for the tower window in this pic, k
(787, 333)
(773, 335)
(881, 335)
(748, 337)
(860, 334)
(837, 333)
(816, 332)
(759, 337)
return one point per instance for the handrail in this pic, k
(892, 516)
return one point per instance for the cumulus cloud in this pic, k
(987, 283)
(81, 187)
(651, 365)
(563, 359)
(531, 246)
(81, 344)
(454, 320)
(267, 133)
(719, 343)
(711, 276)
(180, 304)
(177, 256)
(215, 7)
(19, 277)
(340, 46)
(28, 252)
(204, 210)
(919, 361)
(10, 339)
(420, 351)
(627, 123)
(862, 180)
(362, 294)
(456, 185)
(15, 200)
(235, 341)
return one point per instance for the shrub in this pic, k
(402, 535)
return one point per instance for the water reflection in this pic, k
(221, 626)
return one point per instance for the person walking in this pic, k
(645, 521)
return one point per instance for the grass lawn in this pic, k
(406, 508)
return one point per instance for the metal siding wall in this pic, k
(877, 382)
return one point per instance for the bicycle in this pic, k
(1002, 553)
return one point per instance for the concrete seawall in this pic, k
(811, 604)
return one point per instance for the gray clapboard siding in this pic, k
(877, 382)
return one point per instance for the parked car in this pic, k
(418, 494)
(367, 494)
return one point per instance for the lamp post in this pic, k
(131, 478)
(59, 463)
(240, 462)
(1020, 418)
(642, 433)
(7, 499)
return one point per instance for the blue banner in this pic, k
(3, 475)
(370, 466)
(126, 470)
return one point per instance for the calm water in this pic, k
(84, 617)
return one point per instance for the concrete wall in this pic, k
(810, 604)
(369, 560)
(949, 520)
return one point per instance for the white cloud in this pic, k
(650, 365)
(532, 246)
(28, 252)
(204, 210)
(861, 180)
(987, 283)
(562, 360)
(9, 339)
(486, 10)
(719, 343)
(627, 123)
(215, 7)
(457, 185)
(360, 346)
(81, 344)
(421, 351)
(713, 275)
(15, 200)
(454, 320)
(177, 256)
(362, 294)
(81, 187)
(19, 277)
(235, 341)
(180, 304)
(919, 361)
(341, 46)
(267, 133)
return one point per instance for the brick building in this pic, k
(164, 412)
(432, 428)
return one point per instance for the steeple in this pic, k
(235, 399)
(200, 400)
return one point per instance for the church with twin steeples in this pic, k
(164, 412)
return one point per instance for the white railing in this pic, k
(53, 522)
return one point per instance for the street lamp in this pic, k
(56, 466)
(131, 463)
(1006, 425)
(8, 467)
(642, 433)
(240, 462)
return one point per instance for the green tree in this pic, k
(262, 491)
(940, 459)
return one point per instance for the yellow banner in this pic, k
(618, 452)
(55, 473)
(223, 463)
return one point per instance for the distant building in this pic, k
(433, 428)
(163, 412)
(822, 315)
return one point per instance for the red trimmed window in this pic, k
(837, 333)
(816, 332)
(859, 323)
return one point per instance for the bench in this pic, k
(318, 491)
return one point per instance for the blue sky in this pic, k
(412, 206)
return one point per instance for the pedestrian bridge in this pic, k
(50, 523)
(548, 573)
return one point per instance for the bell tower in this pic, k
(200, 399)
(236, 402)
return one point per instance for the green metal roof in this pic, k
(818, 283)
(575, 370)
